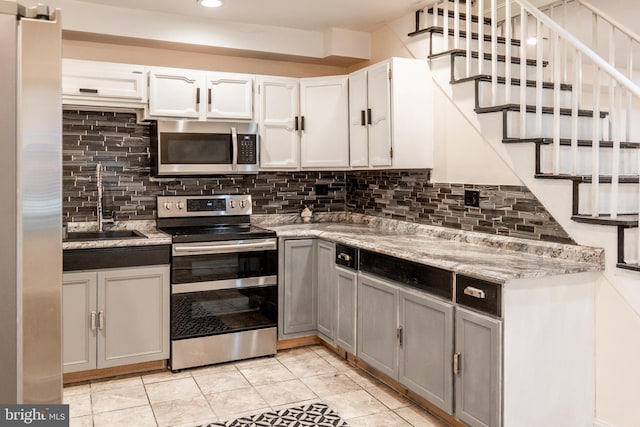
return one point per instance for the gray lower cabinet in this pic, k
(326, 291)
(115, 317)
(478, 352)
(426, 346)
(347, 292)
(407, 335)
(378, 324)
(298, 298)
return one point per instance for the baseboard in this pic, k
(599, 423)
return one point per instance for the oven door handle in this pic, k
(222, 248)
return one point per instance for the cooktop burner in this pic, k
(217, 233)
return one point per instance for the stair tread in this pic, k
(463, 34)
(532, 109)
(567, 142)
(625, 220)
(463, 16)
(487, 56)
(587, 179)
(514, 81)
(634, 267)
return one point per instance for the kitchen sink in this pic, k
(75, 236)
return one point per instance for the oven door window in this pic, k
(199, 314)
(196, 148)
(213, 267)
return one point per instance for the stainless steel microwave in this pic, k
(187, 147)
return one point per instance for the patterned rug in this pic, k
(313, 414)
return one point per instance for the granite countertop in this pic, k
(498, 259)
(152, 235)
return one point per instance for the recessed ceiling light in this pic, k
(210, 3)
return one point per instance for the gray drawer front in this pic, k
(480, 295)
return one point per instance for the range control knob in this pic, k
(243, 203)
(180, 205)
(232, 204)
(167, 205)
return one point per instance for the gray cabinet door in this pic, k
(478, 381)
(346, 283)
(79, 321)
(326, 297)
(300, 281)
(377, 324)
(133, 307)
(427, 347)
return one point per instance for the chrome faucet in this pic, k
(101, 220)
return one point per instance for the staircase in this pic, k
(570, 96)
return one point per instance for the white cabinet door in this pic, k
(133, 307)
(103, 83)
(175, 93)
(79, 317)
(327, 298)
(278, 121)
(324, 141)
(379, 115)
(229, 96)
(358, 125)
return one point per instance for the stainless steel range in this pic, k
(224, 296)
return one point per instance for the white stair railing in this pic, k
(574, 66)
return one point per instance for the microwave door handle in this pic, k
(234, 142)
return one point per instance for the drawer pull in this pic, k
(85, 90)
(474, 292)
(344, 257)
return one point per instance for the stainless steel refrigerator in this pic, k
(30, 205)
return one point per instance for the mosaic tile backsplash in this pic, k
(122, 146)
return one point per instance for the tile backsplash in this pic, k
(122, 146)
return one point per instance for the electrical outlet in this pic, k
(472, 198)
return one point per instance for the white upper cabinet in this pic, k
(278, 114)
(391, 115)
(324, 122)
(92, 83)
(179, 93)
(175, 93)
(229, 96)
(303, 123)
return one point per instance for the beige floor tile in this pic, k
(121, 398)
(321, 351)
(266, 374)
(339, 363)
(307, 366)
(164, 391)
(383, 419)
(76, 389)
(390, 398)
(362, 378)
(354, 404)
(418, 417)
(84, 421)
(295, 353)
(221, 381)
(296, 404)
(331, 384)
(243, 400)
(113, 384)
(192, 411)
(260, 361)
(285, 392)
(212, 369)
(164, 376)
(141, 416)
(79, 404)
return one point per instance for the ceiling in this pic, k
(315, 15)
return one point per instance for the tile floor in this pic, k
(223, 392)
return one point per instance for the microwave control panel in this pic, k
(247, 150)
